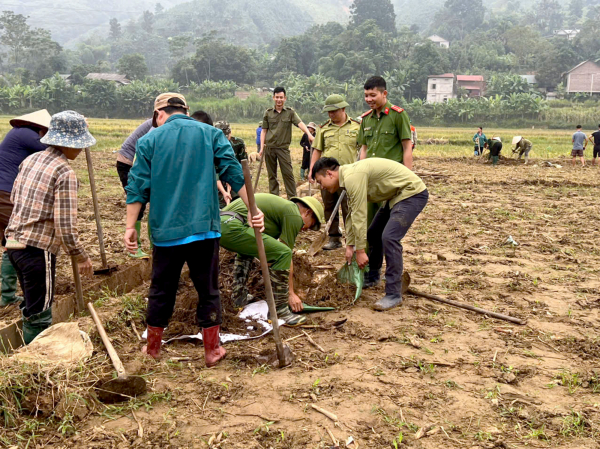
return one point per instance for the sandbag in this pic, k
(61, 344)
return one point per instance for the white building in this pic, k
(439, 41)
(569, 34)
(440, 88)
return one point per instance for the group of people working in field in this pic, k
(183, 164)
(523, 146)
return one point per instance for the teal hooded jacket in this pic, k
(175, 169)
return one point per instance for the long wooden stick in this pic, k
(260, 164)
(90, 166)
(78, 288)
(468, 307)
(262, 255)
(114, 357)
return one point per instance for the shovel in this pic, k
(105, 268)
(318, 244)
(284, 353)
(124, 387)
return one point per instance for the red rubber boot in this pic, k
(154, 339)
(213, 351)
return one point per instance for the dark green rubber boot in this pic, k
(9, 282)
(35, 324)
(281, 291)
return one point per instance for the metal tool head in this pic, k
(405, 281)
(317, 245)
(121, 389)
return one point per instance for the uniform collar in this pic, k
(177, 117)
(348, 119)
(341, 177)
(386, 109)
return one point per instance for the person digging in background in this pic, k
(125, 158)
(306, 146)
(283, 221)
(404, 195)
(335, 138)
(480, 141)
(523, 146)
(20, 142)
(595, 140)
(239, 149)
(579, 140)
(495, 147)
(45, 218)
(175, 167)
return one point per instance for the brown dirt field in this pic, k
(424, 375)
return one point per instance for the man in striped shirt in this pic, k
(44, 218)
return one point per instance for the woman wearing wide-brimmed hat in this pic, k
(44, 218)
(20, 142)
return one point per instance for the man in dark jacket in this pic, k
(20, 142)
(176, 168)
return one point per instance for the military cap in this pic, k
(224, 126)
(334, 102)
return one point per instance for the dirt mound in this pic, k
(316, 286)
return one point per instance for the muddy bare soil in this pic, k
(423, 375)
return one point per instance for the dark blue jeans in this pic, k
(385, 238)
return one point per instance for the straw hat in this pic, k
(516, 140)
(39, 118)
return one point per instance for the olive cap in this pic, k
(335, 102)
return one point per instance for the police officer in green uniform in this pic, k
(385, 129)
(335, 138)
(275, 138)
(283, 221)
(239, 149)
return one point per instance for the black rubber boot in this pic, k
(333, 243)
(35, 324)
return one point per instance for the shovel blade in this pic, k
(121, 389)
(317, 245)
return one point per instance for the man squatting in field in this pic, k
(404, 195)
(125, 158)
(283, 221)
(175, 169)
(335, 138)
(45, 218)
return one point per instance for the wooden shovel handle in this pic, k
(116, 361)
(335, 211)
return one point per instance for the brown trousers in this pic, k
(329, 202)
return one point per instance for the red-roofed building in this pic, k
(473, 84)
(440, 88)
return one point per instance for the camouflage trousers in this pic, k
(241, 270)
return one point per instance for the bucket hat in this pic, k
(335, 102)
(39, 118)
(314, 205)
(68, 129)
(312, 125)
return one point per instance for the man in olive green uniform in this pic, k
(385, 129)
(335, 138)
(275, 140)
(226, 196)
(283, 221)
(376, 180)
(523, 146)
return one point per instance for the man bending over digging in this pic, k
(283, 221)
(175, 170)
(376, 180)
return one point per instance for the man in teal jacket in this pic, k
(175, 170)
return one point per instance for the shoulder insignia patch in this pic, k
(397, 109)
(354, 120)
(325, 124)
(367, 113)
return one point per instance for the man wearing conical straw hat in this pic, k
(20, 142)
